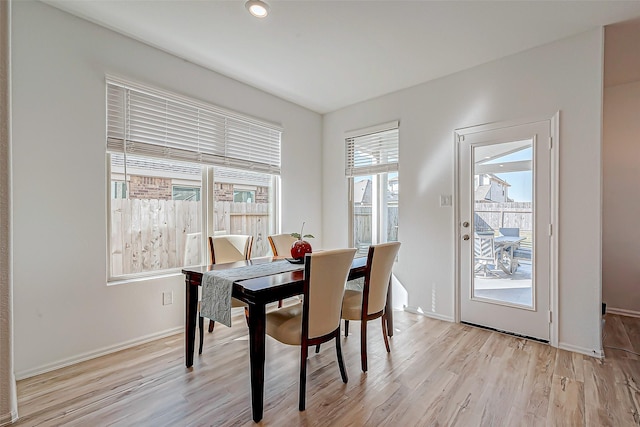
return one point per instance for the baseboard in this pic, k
(8, 419)
(97, 353)
(415, 310)
(598, 353)
(623, 312)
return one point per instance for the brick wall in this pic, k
(147, 187)
(223, 192)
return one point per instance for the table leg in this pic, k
(191, 308)
(256, 355)
(389, 309)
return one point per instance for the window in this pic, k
(181, 192)
(372, 168)
(179, 168)
(118, 189)
(247, 196)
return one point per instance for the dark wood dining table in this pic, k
(257, 293)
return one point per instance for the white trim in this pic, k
(457, 235)
(555, 221)
(554, 131)
(97, 353)
(437, 316)
(141, 277)
(8, 419)
(598, 353)
(623, 312)
(372, 129)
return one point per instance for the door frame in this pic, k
(554, 122)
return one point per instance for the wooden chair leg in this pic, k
(384, 332)
(303, 376)
(363, 345)
(343, 370)
(346, 328)
(279, 303)
(201, 327)
(211, 325)
(317, 348)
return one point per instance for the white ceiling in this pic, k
(325, 55)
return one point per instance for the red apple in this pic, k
(299, 248)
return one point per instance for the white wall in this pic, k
(64, 310)
(620, 231)
(565, 76)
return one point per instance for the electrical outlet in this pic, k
(167, 298)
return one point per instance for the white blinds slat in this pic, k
(153, 123)
(372, 153)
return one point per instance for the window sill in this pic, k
(122, 281)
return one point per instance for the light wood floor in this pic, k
(438, 373)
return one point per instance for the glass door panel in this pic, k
(503, 223)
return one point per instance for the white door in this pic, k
(504, 202)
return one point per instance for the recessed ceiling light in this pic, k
(257, 8)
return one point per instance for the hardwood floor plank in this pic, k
(438, 373)
(566, 406)
(617, 336)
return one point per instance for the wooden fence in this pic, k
(504, 215)
(150, 234)
(245, 218)
(362, 226)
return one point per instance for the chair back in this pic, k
(512, 232)
(484, 247)
(281, 244)
(230, 248)
(380, 261)
(192, 246)
(325, 277)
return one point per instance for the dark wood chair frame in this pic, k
(306, 342)
(367, 317)
(211, 322)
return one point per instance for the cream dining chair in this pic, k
(316, 319)
(281, 247)
(370, 303)
(224, 249)
(281, 244)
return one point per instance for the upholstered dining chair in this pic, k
(281, 244)
(223, 249)
(316, 319)
(369, 304)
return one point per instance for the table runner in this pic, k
(218, 284)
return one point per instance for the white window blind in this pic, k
(149, 122)
(372, 150)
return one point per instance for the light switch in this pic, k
(445, 200)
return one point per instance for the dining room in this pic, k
(86, 342)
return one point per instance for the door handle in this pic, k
(465, 237)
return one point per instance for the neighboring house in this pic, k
(362, 192)
(174, 181)
(490, 188)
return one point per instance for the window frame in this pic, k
(246, 140)
(378, 171)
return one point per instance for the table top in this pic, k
(265, 283)
(508, 239)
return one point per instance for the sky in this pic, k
(521, 182)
